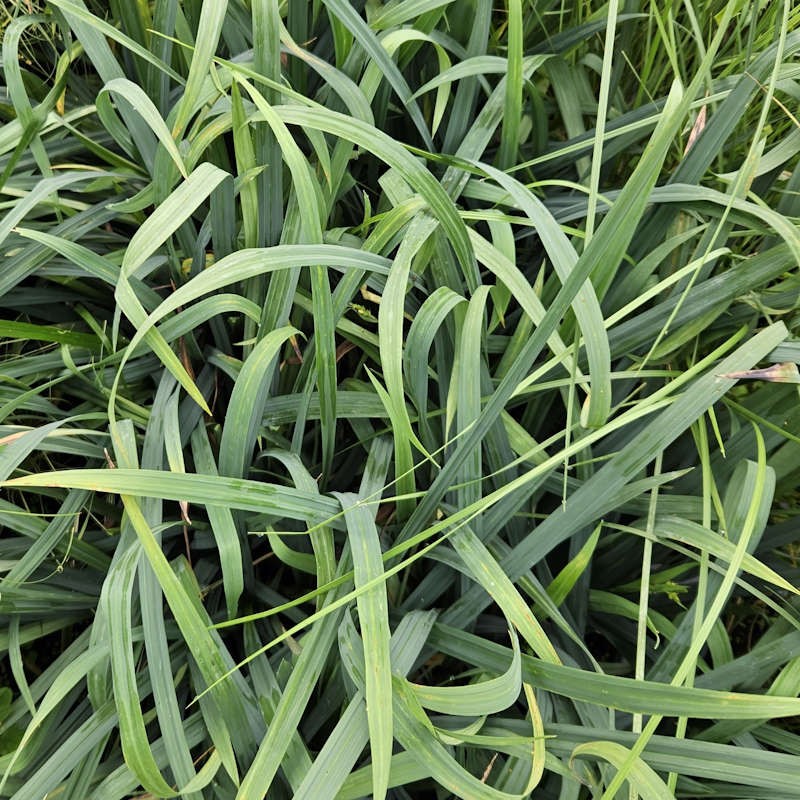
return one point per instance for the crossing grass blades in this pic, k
(399, 400)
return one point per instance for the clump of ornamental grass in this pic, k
(399, 400)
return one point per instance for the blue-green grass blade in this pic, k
(464, 102)
(265, 17)
(141, 103)
(479, 698)
(415, 734)
(602, 115)
(324, 354)
(316, 649)
(688, 532)
(393, 154)
(335, 761)
(642, 778)
(232, 492)
(416, 354)
(349, 92)
(646, 697)
(209, 28)
(204, 310)
(223, 526)
(753, 767)
(400, 13)
(464, 393)
(204, 649)
(43, 190)
(470, 67)
(247, 402)
(246, 167)
(175, 210)
(118, 590)
(390, 337)
(244, 264)
(73, 10)
(93, 40)
(162, 680)
(373, 616)
(322, 542)
(133, 736)
(512, 111)
(362, 33)
(587, 309)
(414, 730)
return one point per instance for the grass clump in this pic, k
(399, 400)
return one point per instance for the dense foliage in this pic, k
(377, 404)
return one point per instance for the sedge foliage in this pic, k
(374, 401)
